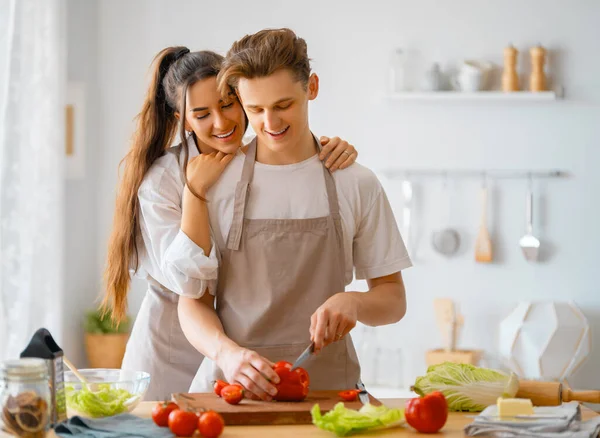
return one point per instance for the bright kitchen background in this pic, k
(111, 44)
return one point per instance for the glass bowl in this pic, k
(108, 392)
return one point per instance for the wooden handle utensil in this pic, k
(91, 386)
(581, 396)
(553, 393)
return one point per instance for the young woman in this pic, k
(161, 219)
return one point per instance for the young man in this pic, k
(289, 234)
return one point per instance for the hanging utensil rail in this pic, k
(474, 173)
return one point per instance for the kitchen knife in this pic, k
(363, 395)
(305, 355)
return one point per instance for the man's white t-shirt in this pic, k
(372, 242)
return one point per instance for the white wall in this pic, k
(350, 45)
(82, 276)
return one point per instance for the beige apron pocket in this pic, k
(329, 369)
(180, 350)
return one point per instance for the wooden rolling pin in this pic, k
(553, 393)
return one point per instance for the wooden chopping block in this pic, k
(554, 393)
(258, 412)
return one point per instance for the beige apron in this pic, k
(273, 275)
(157, 344)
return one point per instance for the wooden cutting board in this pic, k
(251, 412)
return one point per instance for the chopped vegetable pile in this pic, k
(104, 401)
(343, 421)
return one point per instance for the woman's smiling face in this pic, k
(218, 123)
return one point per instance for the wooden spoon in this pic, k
(91, 386)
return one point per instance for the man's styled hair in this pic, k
(262, 54)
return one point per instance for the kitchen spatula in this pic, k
(483, 245)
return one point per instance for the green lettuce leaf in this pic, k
(467, 387)
(104, 401)
(343, 421)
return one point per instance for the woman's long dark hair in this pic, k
(174, 70)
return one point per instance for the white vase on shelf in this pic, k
(397, 74)
(545, 340)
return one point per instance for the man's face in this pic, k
(277, 108)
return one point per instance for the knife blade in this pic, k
(363, 395)
(303, 356)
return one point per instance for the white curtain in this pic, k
(32, 96)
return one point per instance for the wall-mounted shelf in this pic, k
(522, 96)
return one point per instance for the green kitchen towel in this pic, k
(124, 425)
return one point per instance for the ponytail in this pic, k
(156, 127)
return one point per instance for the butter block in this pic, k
(510, 407)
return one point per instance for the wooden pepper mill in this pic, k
(450, 323)
(537, 80)
(510, 79)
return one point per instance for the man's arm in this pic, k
(378, 254)
(203, 329)
(384, 303)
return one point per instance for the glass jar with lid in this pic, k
(25, 397)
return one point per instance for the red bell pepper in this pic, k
(293, 385)
(349, 395)
(427, 414)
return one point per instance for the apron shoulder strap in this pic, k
(241, 198)
(332, 197)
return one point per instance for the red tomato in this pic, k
(349, 395)
(183, 423)
(427, 414)
(219, 385)
(232, 394)
(210, 424)
(160, 413)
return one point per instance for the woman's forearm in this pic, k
(202, 327)
(195, 220)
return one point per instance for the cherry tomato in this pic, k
(232, 394)
(427, 414)
(219, 385)
(160, 413)
(210, 424)
(349, 395)
(183, 423)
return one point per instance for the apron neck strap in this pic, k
(332, 198)
(241, 198)
(248, 170)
